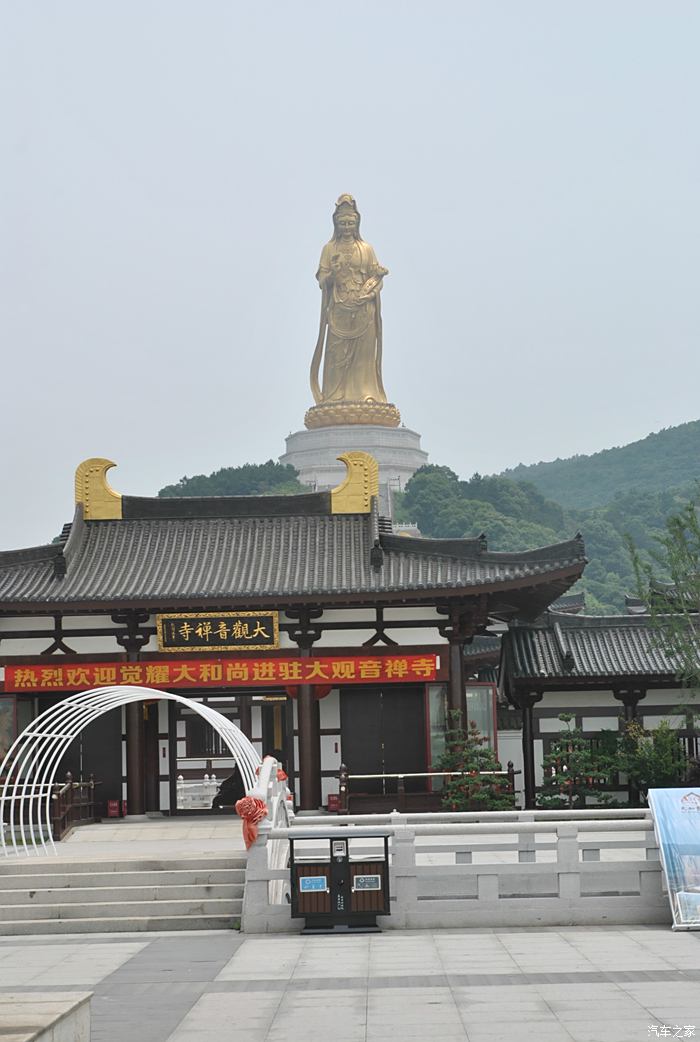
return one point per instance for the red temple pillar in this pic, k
(308, 717)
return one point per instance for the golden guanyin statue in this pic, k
(350, 335)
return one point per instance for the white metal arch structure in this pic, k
(30, 766)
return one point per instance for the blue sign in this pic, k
(312, 884)
(676, 814)
(367, 883)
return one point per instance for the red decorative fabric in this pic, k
(252, 811)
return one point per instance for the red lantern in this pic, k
(319, 690)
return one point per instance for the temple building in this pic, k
(603, 670)
(305, 619)
(324, 631)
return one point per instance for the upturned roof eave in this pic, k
(593, 682)
(423, 596)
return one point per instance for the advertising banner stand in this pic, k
(676, 817)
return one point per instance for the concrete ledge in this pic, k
(517, 912)
(40, 1017)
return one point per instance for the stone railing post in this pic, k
(254, 917)
(527, 852)
(404, 884)
(568, 866)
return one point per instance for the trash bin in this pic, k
(339, 879)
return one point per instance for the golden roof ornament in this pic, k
(92, 490)
(354, 495)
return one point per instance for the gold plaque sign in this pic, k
(218, 631)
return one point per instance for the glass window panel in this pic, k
(437, 703)
(480, 709)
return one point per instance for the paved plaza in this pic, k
(614, 984)
(126, 838)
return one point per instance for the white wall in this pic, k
(510, 747)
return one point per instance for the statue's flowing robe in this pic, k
(350, 336)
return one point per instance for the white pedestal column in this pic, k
(314, 454)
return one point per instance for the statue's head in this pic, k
(346, 217)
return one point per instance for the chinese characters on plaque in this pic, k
(222, 631)
(225, 672)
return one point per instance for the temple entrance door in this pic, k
(202, 760)
(383, 732)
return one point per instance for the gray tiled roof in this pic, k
(570, 603)
(577, 647)
(160, 561)
(484, 645)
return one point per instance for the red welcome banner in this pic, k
(224, 672)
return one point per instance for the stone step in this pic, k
(30, 1016)
(135, 924)
(184, 909)
(49, 864)
(52, 895)
(166, 877)
(49, 895)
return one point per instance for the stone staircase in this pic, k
(50, 896)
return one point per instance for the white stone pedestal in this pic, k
(314, 454)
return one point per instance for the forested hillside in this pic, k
(516, 515)
(608, 496)
(662, 461)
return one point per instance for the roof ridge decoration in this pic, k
(355, 494)
(565, 652)
(570, 623)
(458, 549)
(376, 553)
(93, 492)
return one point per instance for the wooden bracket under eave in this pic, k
(92, 490)
(354, 495)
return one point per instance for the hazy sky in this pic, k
(527, 170)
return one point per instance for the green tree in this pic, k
(477, 787)
(430, 499)
(516, 499)
(574, 771)
(651, 759)
(252, 479)
(670, 586)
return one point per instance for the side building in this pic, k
(603, 670)
(305, 619)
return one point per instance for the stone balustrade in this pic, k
(526, 868)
